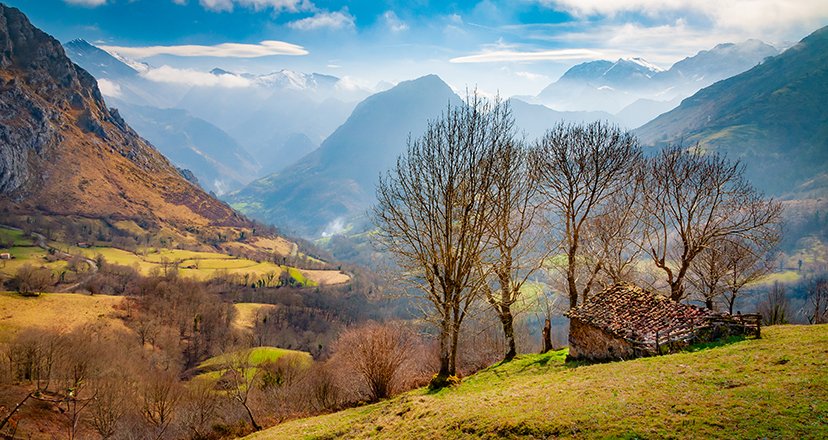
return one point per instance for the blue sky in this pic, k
(515, 47)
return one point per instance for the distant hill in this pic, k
(535, 119)
(773, 117)
(636, 90)
(63, 152)
(328, 188)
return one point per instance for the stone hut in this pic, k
(625, 321)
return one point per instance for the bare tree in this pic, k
(376, 353)
(611, 239)
(692, 199)
(582, 166)
(160, 398)
(706, 274)
(239, 378)
(514, 233)
(432, 213)
(776, 308)
(817, 290)
(746, 261)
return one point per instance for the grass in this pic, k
(24, 255)
(211, 368)
(14, 236)
(246, 314)
(774, 387)
(59, 311)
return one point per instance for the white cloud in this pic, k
(258, 5)
(109, 88)
(87, 3)
(753, 15)
(509, 55)
(532, 76)
(231, 50)
(180, 2)
(331, 20)
(393, 22)
(167, 74)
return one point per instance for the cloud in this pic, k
(229, 50)
(257, 5)
(87, 3)
(393, 22)
(752, 15)
(532, 76)
(510, 55)
(167, 74)
(109, 88)
(323, 19)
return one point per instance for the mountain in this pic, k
(635, 89)
(333, 185)
(121, 77)
(774, 117)
(267, 112)
(599, 85)
(216, 159)
(535, 119)
(64, 153)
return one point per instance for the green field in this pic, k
(774, 387)
(211, 368)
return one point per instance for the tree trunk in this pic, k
(570, 279)
(445, 348)
(708, 302)
(547, 336)
(256, 426)
(507, 320)
(455, 334)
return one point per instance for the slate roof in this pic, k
(634, 314)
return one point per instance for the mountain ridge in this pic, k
(65, 153)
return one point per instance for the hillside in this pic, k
(773, 117)
(65, 153)
(774, 387)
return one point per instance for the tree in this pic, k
(432, 214)
(746, 261)
(516, 249)
(30, 280)
(611, 239)
(692, 199)
(581, 167)
(776, 308)
(817, 291)
(376, 353)
(239, 377)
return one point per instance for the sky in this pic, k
(508, 47)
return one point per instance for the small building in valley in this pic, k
(625, 321)
(5, 256)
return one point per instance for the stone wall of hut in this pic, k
(587, 342)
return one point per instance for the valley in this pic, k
(283, 219)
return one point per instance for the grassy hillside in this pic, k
(775, 387)
(194, 264)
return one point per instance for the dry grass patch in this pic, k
(58, 311)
